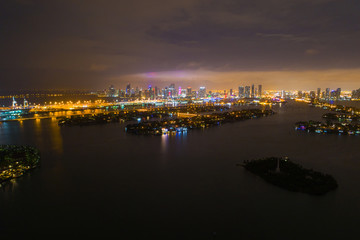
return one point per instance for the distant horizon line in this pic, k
(89, 90)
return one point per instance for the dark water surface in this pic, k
(99, 182)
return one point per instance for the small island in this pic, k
(138, 115)
(183, 125)
(291, 176)
(17, 160)
(329, 127)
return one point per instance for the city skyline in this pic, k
(78, 45)
(129, 86)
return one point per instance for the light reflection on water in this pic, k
(43, 132)
(164, 140)
(167, 138)
(38, 131)
(9, 186)
(56, 138)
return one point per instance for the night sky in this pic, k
(88, 44)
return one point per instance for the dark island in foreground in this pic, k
(16, 160)
(291, 176)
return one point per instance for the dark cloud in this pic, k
(47, 44)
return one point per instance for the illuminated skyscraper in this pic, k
(260, 91)
(318, 93)
(26, 103)
(202, 92)
(172, 90)
(312, 94)
(241, 92)
(355, 94)
(247, 91)
(121, 93)
(327, 93)
(338, 92)
(112, 91)
(283, 94)
(127, 91)
(14, 103)
(300, 94)
(151, 92)
(188, 93)
(252, 91)
(156, 92)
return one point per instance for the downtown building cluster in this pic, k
(247, 91)
(328, 94)
(250, 92)
(152, 93)
(171, 92)
(355, 94)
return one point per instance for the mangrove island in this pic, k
(283, 173)
(16, 160)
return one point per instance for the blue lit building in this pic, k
(11, 114)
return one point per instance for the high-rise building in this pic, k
(327, 93)
(112, 91)
(318, 93)
(188, 92)
(300, 94)
(202, 92)
(247, 91)
(127, 91)
(333, 94)
(283, 94)
(323, 94)
(14, 103)
(122, 93)
(151, 92)
(260, 91)
(26, 103)
(156, 92)
(338, 93)
(183, 92)
(241, 92)
(252, 91)
(312, 94)
(355, 94)
(172, 90)
(194, 94)
(231, 92)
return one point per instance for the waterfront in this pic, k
(98, 181)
